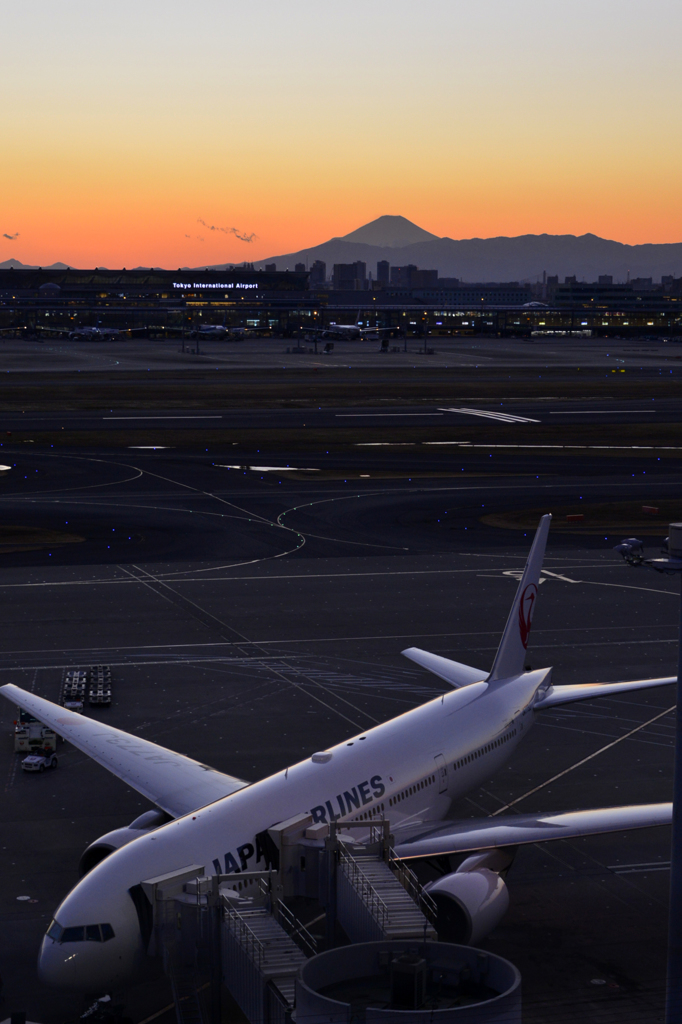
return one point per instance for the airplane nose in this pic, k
(93, 959)
(95, 942)
(65, 965)
(88, 967)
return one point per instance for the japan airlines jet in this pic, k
(350, 332)
(221, 331)
(408, 770)
(96, 333)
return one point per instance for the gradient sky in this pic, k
(124, 124)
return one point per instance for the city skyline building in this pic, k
(318, 274)
(350, 276)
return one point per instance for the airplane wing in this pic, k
(518, 829)
(557, 695)
(453, 672)
(175, 783)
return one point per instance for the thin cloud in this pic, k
(229, 231)
(11, 237)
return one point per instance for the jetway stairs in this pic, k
(262, 954)
(373, 902)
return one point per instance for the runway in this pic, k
(250, 617)
(502, 413)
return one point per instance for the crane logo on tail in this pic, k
(526, 605)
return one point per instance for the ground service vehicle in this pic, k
(39, 762)
(32, 735)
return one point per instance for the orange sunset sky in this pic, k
(126, 124)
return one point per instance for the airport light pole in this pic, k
(632, 551)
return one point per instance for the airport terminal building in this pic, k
(284, 303)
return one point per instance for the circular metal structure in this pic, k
(391, 981)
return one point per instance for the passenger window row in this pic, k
(81, 933)
(484, 750)
(369, 814)
(411, 790)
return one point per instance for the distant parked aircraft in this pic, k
(348, 331)
(88, 333)
(220, 331)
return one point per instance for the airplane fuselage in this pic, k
(95, 333)
(210, 331)
(409, 770)
(351, 332)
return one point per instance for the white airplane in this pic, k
(349, 332)
(220, 331)
(96, 333)
(409, 769)
(210, 331)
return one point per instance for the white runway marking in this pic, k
(566, 447)
(320, 640)
(517, 574)
(355, 543)
(149, 578)
(598, 412)
(582, 761)
(504, 417)
(581, 731)
(197, 417)
(632, 869)
(270, 469)
(173, 577)
(381, 415)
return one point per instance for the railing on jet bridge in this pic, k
(364, 888)
(277, 1009)
(247, 938)
(295, 928)
(413, 886)
(378, 834)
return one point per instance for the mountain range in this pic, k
(18, 265)
(521, 258)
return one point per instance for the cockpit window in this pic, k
(82, 933)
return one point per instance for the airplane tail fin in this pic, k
(511, 654)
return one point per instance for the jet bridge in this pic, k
(238, 932)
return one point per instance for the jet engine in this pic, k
(106, 844)
(471, 901)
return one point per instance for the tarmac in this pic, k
(31, 354)
(253, 615)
